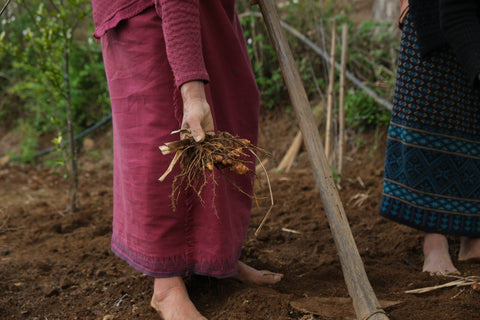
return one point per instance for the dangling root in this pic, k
(221, 150)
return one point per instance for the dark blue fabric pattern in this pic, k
(432, 164)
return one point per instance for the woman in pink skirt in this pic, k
(170, 65)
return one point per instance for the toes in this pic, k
(260, 277)
(266, 277)
(443, 273)
(271, 277)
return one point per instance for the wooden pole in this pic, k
(287, 160)
(365, 302)
(330, 99)
(292, 152)
(341, 105)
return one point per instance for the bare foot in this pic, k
(437, 259)
(170, 299)
(254, 276)
(469, 249)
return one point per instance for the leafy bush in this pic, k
(49, 62)
(363, 112)
(371, 54)
(264, 62)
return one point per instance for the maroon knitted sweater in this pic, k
(181, 28)
(107, 14)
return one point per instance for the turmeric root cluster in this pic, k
(227, 155)
(221, 150)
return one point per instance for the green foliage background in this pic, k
(372, 55)
(37, 41)
(37, 36)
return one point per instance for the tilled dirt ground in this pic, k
(58, 266)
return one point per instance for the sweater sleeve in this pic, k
(183, 40)
(461, 26)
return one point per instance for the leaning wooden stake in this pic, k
(331, 96)
(292, 152)
(287, 160)
(365, 302)
(341, 104)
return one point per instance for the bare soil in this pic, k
(59, 266)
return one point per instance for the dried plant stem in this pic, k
(170, 167)
(460, 281)
(271, 197)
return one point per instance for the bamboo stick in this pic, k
(364, 300)
(330, 98)
(287, 160)
(341, 106)
(291, 153)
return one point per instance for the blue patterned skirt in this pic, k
(432, 164)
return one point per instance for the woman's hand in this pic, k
(196, 111)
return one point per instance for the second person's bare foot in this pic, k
(170, 299)
(437, 259)
(469, 249)
(254, 276)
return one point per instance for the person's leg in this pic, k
(437, 259)
(469, 249)
(170, 299)
(250, 275)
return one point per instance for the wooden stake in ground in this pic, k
(331, 87)
(291, 153)
(341, 105)
(364, 300)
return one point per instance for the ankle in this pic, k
(469, 248)
(435, 242)
(170, 299)
(164, 288)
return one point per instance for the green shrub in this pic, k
(47, 61)
(371, 57)
(363, 112)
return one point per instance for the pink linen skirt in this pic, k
(147, 233)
